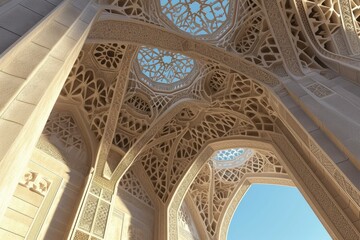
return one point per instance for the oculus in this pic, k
(196, 17)
(229, 158)
(162, 69)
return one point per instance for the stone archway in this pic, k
(325, 207)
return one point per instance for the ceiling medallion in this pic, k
(164, 70)
(230, 158)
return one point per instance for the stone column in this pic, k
(32, 74)
(161, 231)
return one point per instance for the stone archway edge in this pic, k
(146, 34)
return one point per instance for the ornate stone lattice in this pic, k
(319, 90)
(134, 119)
(35, 182)
(109, 55)
(213, 188)
(101, 219)
(253, 110)
(355, 9)
(142, 105)
(95, 212)
(242, 110)
(90, 93)
(253, 38)
(303, 15)
(197, 17)
(222, 30)
(63, 140)
(63, 126)
(132, 185)
(306, 55)
(85, 89)
(88, 214)
(159, 67)
(131, 8)
(324, 16)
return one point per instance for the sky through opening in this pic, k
(271, 212)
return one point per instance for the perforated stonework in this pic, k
(324, 16)
(253, 39)
(213, 188)
(94, 214)
(63, 126)
(177, 142)
(319, 90)
(165, 129)
(197, 17)
(131, 184)
(305, 53)
(109, 56)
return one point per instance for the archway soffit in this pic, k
(131, 31)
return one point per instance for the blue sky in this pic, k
(270, 212)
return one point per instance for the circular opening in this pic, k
(196, 17)
(232, 157)
(163, 67)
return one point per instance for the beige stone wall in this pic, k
(20, 214)
(137, 218)
(27, 14)
(47, 212)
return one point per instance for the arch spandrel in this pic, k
(66, 137)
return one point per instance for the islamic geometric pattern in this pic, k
(164, 67)
(196, 17)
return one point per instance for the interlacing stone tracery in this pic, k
(133, 8)
(132, 185)
(325, 19)
(161, 69)
(253, 38)
(225, 24)
(221, 104)
(242, 110)
(63, 139)
(355, 9)
(109, 55)
(142, 105)
(197, 17)
(306, 54)
(213, 188)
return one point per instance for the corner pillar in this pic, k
(32, 75)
